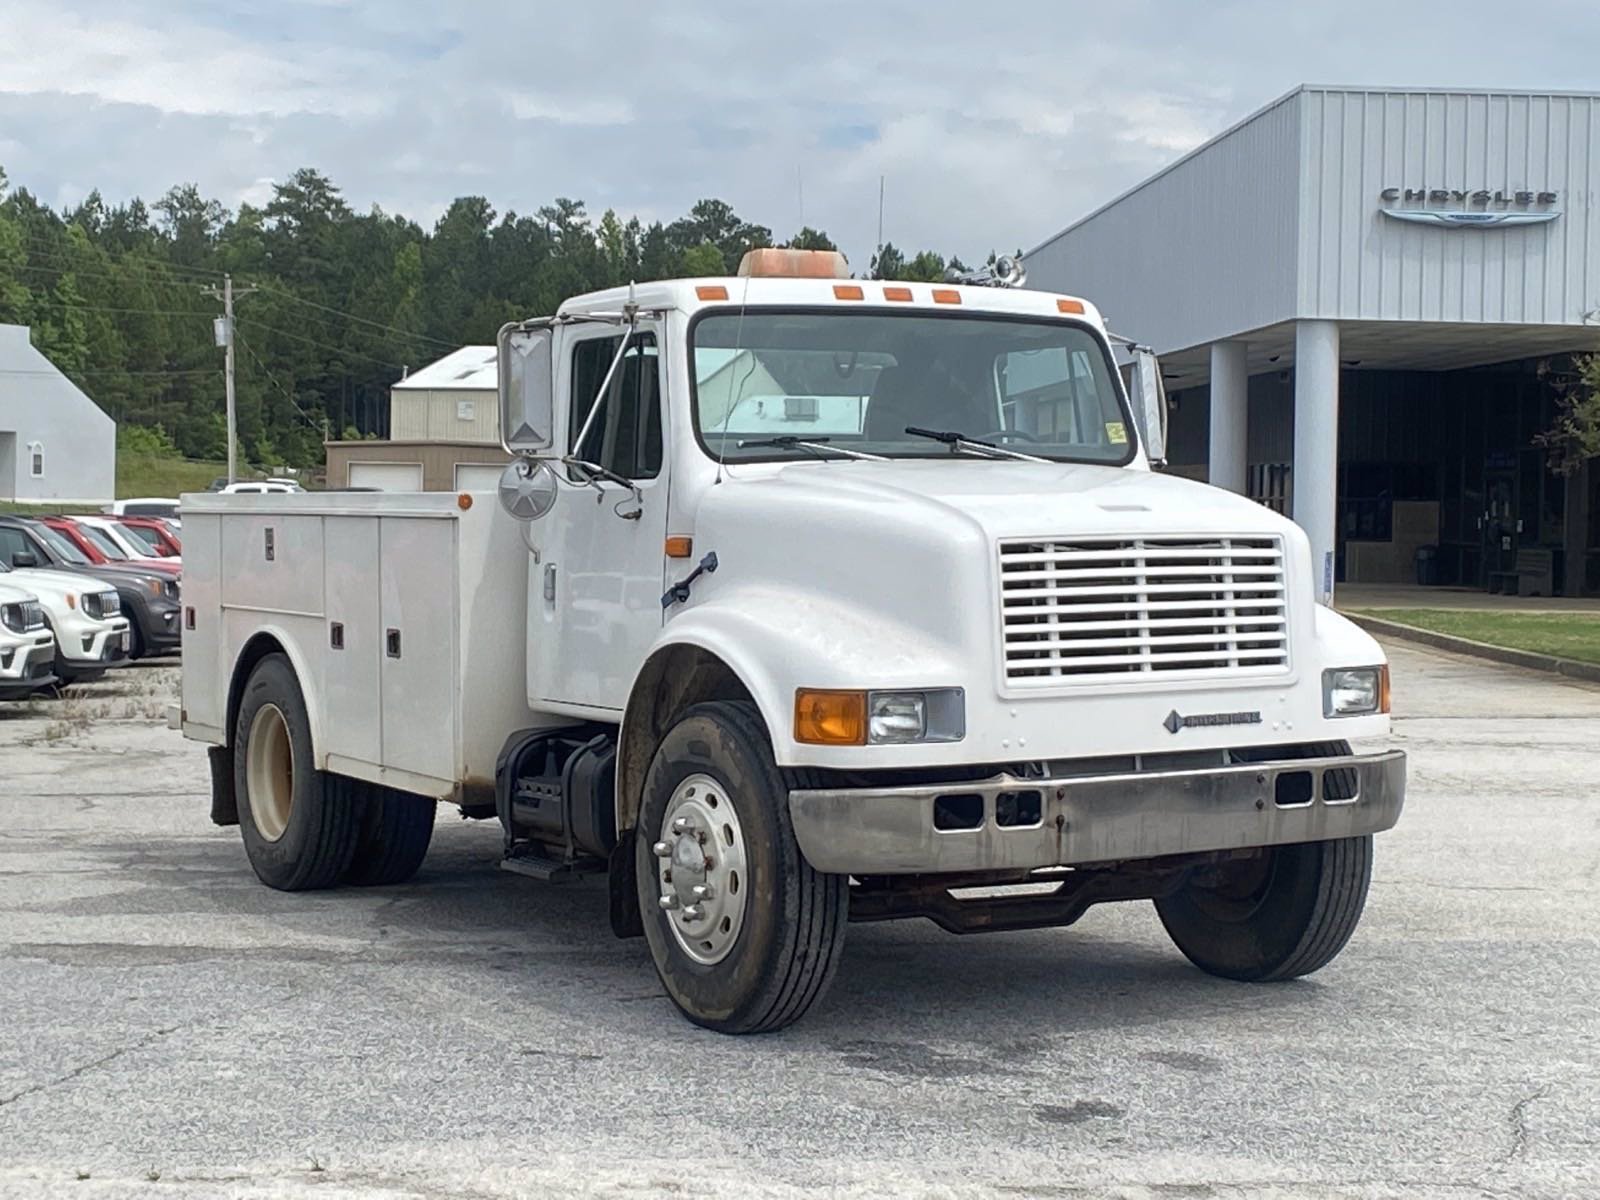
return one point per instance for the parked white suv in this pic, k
(259, 486)
(91, 634)
(27, 647)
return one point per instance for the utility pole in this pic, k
(223, 328)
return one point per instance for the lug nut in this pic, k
(669, 901)
(681, 825)
(693, 912)
(661, 850)
(703, 891)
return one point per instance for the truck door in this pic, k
(595, 593)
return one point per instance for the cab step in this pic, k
(528, 860)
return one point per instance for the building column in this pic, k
(1316, 444)
(1230, 419)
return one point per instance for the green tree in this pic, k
(704, 259)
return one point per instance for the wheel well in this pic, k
(674, 678)
(254, 651)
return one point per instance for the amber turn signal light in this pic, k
(830, 718)
(1383, 688)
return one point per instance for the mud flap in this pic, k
(625, 919)
(224, 802)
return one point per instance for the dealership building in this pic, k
(1368, 303)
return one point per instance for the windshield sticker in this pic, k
(1116, 433)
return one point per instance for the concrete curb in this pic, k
(1588, 672)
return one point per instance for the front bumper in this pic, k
(93, 645)
(1096, 818)
(29, 666)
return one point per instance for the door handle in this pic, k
(550, 582)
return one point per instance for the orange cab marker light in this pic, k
(847, 291)
(1384, 697)
(1070, 306)
(899, 294)
(679, 546)
(711, 292)
(830, 718)
(946, 296)
(463, 502)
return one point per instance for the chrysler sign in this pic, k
(1497, 208)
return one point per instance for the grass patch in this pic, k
(1562, 634)
(158, 475)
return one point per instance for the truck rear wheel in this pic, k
(1282, 914)
(396, 828)
(745, 934)
(299, 824)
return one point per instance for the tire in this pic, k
(393, 838)
(299, 824)
(135, 639)
(778, 954)
(1283, 915)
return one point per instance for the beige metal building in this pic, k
(443, 434)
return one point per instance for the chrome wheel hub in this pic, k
(700, 869)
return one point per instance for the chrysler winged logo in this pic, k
(1176, 720)
(1436, 216)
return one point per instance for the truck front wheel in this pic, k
(744, 933)
(1283, 913)
(299, 824)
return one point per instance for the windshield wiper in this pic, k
(818, 446)
(960, 441)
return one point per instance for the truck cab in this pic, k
(838, 600)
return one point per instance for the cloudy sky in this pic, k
(993, 123)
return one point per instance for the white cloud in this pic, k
(994, 125)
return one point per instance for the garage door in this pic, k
(478, 477)
(387, 476)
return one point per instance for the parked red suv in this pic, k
(99, 549)
(155, 533)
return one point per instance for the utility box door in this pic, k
(417, 638)
(352, 642)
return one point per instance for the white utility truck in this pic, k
(807, 600)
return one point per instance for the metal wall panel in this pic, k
(443, 416)
(1357, 264)
(1201, 251)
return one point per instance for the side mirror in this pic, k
(528, 489)
(527, 387)
(23, 559)
(1150, 404)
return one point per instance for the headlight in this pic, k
(1355, 691)
(851, 718)
(169, 589)
(110, 604)
(13, 618)
(91, 605)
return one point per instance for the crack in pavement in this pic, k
(1518, 1120)
(32, 1089)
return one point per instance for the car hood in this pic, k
(52, 587)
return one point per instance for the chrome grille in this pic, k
(1079, 609)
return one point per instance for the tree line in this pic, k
(344, 302)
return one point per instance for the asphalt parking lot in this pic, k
(167, 1025)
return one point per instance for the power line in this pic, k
(177, 282)
(155, 312)
(43, 247)
(332, 349)
(287, 394)
(422, 337)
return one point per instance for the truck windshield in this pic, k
(857, 379)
